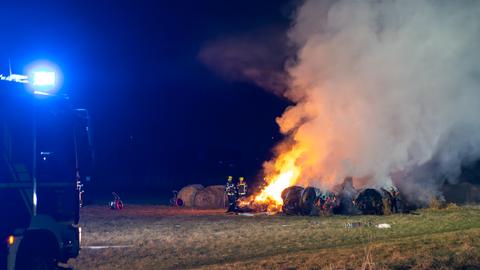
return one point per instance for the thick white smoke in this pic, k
(385, 91)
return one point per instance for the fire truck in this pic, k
(45, 154)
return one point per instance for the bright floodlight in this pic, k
(44, 78)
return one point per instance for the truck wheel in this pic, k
(36, 258)
(43, 263)
(37, 262)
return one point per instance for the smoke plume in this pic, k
(385, 91)
(255, 56)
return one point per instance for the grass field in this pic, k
(158, 237)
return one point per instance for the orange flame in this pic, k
(285, 174)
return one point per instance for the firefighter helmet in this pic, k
(230, 178)
(241, 179)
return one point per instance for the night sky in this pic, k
(161, 117)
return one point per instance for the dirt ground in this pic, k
(159, 237)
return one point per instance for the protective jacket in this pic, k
(230, 189)
(242, 189)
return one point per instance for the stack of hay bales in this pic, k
(188, 193)
(211, 197)
(309, 201)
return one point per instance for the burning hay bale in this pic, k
(297, 200)
(291, 197)
(315, 202)
(370, 202)
(347, 200)
(309, 201)
(312, 201)
(393, 202)
(327, 202)
(346, 194)
(211, 197)
(188, 193)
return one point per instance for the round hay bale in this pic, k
(188, 193)
(370, 202)
(392, 201)
(220, 191)
(291, 200)
(308, 200)
(212, 197)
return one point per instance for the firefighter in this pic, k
(231, 191)
(242, 187)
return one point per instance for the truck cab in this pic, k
(45, 153)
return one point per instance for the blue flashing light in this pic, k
(43, 78)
